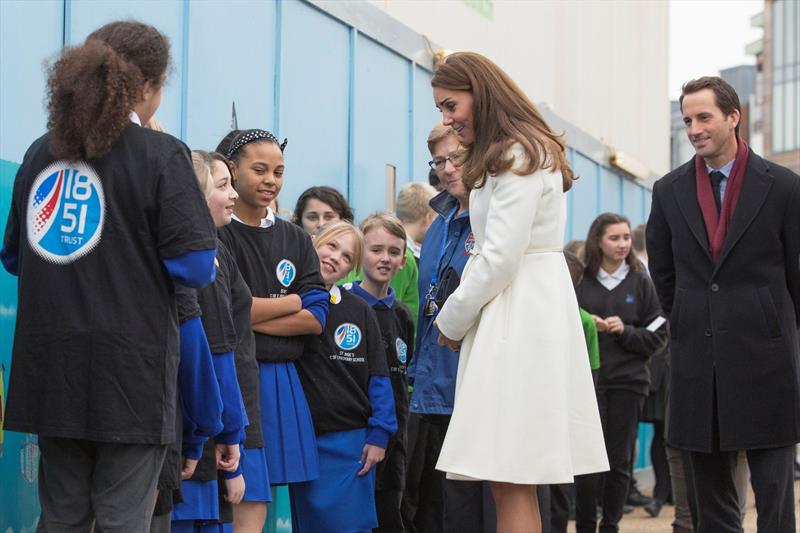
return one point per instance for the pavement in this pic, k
(640, 522)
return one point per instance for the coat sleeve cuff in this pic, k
(449, 327)
(378, 437)
(193, 450)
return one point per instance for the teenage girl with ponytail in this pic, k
(105, 218)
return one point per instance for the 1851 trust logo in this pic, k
(286, 272)
(348, 336)
(66, 210)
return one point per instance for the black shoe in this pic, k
(653, 508)
(627, 509)
(638, 499)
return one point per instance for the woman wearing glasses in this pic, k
(526, 412)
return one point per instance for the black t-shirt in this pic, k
(215, 302)
(226, 320)
(188, 306)
(336, 366)
(96, 342)
(397, 334)
(245, 353)
(274, 262)
(170, 477)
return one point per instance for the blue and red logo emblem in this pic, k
(469, 243)
(66, 210)
(286, 272)
(402, 350)
(347, 336)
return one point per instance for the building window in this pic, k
(785, 76)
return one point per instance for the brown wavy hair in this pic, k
(326, 195)
(502, 116)
(592, 253)
(92, 88)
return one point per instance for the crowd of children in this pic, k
(308, 355)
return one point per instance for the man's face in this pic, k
(711, 132)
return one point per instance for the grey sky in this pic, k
(708, 35)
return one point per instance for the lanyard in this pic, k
(445, 239)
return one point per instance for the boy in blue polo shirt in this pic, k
(384, 254)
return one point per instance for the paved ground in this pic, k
(640, 522)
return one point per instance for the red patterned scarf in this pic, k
(717, 224)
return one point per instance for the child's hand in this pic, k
(370, 456)
(227, 457)
(600, 324)
(234, 489)
(189, 465)
(615, 325)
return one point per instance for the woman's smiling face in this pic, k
(456, 108)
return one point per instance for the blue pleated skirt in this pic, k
(200, 501)
(256, 475)
(289, 441)
(338, 501)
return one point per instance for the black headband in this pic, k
(249, 136)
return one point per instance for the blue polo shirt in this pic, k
(433, 368)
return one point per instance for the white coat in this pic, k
(525, 409)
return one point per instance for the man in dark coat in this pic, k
(724, 245)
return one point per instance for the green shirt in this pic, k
(590, 333)
(404, 284)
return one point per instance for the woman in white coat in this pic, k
(525, 411)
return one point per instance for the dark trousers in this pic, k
(543, 497)
(682, 490)
(619, 416)
(390, 479)
(771, 475)
(432, 503)
(387, 506)
(658, 456)
(559, 507)
(82, 481)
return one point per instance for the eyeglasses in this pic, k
(456, 158)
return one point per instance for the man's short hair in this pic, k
(439, 132)
(412, 201)
(638, 238)
(724, 94)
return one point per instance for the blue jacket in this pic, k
(433, 368)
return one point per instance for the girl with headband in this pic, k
(279, 264)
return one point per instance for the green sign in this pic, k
(484, 7)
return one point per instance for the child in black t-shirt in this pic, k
(105, 218)
(345, 377)
(201, 492)
(384, 255)
(279, 264)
